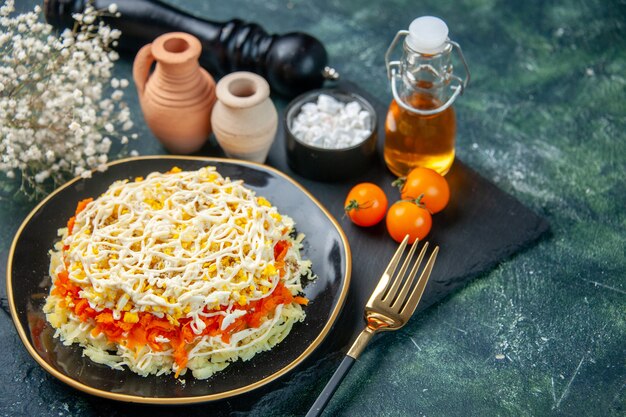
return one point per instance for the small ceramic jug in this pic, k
(177, 98)
(244, 118)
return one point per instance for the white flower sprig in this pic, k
(59, 105)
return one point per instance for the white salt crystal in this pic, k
(353, 108)
(327, 104)
(309, 108)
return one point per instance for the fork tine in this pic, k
(393, 290)
(416, 295)
(391, 268)
(408, 283)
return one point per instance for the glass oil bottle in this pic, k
(420, 127)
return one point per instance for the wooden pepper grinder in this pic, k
(177, 98)
(292, 63)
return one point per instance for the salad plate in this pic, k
(28, 284)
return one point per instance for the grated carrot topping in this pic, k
(147, 328)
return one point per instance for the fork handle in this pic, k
(318, 406)
(357, 347)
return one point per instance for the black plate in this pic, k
(28, 284)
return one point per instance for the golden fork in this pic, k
(390, 307)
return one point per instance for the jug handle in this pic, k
(141, 67)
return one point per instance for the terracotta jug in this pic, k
(244, 118)
(177, 98)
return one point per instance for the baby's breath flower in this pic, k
(89, 19)
(59, 107)
(41, 176)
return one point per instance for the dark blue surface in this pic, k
(544, 119)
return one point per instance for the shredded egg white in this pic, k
(182, 245)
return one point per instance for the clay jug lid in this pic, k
(176, 48)
(242, 89)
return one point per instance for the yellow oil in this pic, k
(412, 140)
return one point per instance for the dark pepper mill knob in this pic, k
(291, 63)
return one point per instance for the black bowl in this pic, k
(324, 164)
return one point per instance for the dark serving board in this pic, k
(481, 227)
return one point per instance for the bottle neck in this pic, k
(425, 76)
